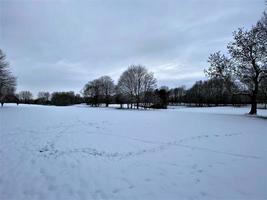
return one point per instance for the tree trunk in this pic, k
(253, 110)
(107, 100)
(265, 101)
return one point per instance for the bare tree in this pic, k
(99, 90)
(262, 32)
(149, 86)
(126, 86)
(220, 66)
(43, 97)
(222, 70)
(177, 94)
(25, 96)
(249, 52)
(7, 80)
(107, 88)
(135, 82)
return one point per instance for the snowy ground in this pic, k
(77, 152)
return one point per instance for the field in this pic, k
(79, 152)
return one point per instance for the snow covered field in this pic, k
(78, 152)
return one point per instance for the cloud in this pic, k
(61, 45)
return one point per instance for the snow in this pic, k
(79, 152)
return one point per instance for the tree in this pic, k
(63, 98)
(220, 66)
(135, 82)
(221, 71)
(92, 90)
(262, 30)
(119, 97)
(195, 94)
(43, 97)
(177, 94)
(162, 99)
(249, 53)
(107, 88)
(78, 99)
(25, 96)
(99, 90)
(7, 80)
(263, 90)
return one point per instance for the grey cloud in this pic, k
(62, 44)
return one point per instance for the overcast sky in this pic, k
(59, 45)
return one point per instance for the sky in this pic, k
(60, 45)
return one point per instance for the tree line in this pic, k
(239, 77)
